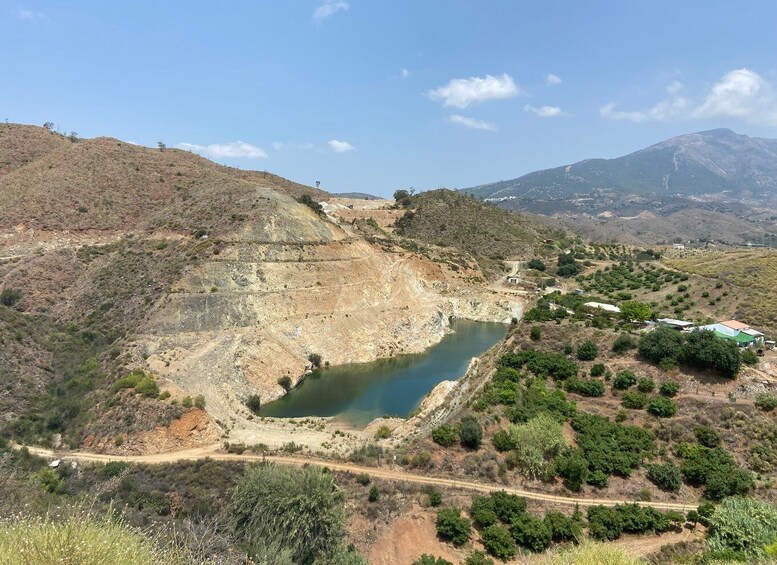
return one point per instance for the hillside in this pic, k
(450, 219)
(699, 163)
(168, 276)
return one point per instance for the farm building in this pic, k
(675, 324)
(741, 337)
(602, 306)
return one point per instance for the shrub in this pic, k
(665, 476)
(541, 363)
(307, 516)
(589, 387)
(705, 350)
(363, 479)
(147, 387)
(587, 351)
(444, 435)
(535, 333)
(507, 506)
(435, 496)
(478, 558)
(470, 432)
(428, 559)
(593, 554)
(604, 523)
(254, 403)
(79, 539)
(537, 442)
(452, 526)
(645, 384)
(482, 511)
(315, 360)
(187, 401)
(530, 532)
(536, 264)
(715, 469)
(503, 441)
(743, 525)
(562, 527)
(766, 402)
(199, 402)
(597, 370)
(662, 407)
(634, 400)
(10, 296)
(624, 379)
(661, 343)
(498, 542)
(669, 388)
(285, 382)
(707, 436)
(598, 479)
(623, 343)
(383, 432)
(574, 468)
(374, 494)
(749, 357)
(610, 447)
(50, 480)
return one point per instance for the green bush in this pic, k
(597, 370)
(503, 441)
(498, 542)
(363, 479)
(661, 343)
(187, 401)
(634, 400)
(199, 402)
(705, 350)
(10, 296)
(383, 432)
(541, 363)
(285, 382)
(482, 511)
(587, 351)
(478, 558)
(662, 407)
(307, 517)
(254, 403)
(611, 447)
(435, 496)
(646, 384)
(452, 526)
(536, 333)
(470, 432)
(563, 528)
(147, 387)
(598, 479)
(444, 435)
(588, 387)
(624, 379)
(428, 559)
(573, 467)
(536, 264)
(766, 402)
(537, 442)
(749, 357)
(530, 532)
(707, 436)
(743, 525)
(715, 469)
(669, 388)
(374, 494)
(624, 343)
(604, 524)
(665, 476)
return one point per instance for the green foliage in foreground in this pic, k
(81, 540)
(592, 554)
(300, 509)
(743, 525)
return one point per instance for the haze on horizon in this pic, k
(372, 97)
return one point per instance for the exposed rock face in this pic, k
(294, 285)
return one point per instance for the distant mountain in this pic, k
(708, 162)
(357, 195)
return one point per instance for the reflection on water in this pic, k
(361, 392)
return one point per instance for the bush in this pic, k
(541, 363)
(363, 479)
(444, 435)
(435, 496)
(593, 554)
(590, 387)
(10, 296)
(669, 388)
(535, 333)
(536, 443)
(374, 494)
(470, 432)
(707, 436)
(498, 542)
(766, 402)
(383, 432)
(187, 401)
(80, 539)
(507, 506)
(503, 441)
(199, 402)
(598, 479)
(562, 527)
(705, 350)
(254, 403)
(530, 532)
(624, 343)
(665, 476)
(645, 384)
(662, 407)
(634, 400)
(610, 447)
(536, 264)
(482, 511)
(307, 516)
(743, 525)
(574, 468)
(285, 382)
(624, 379)
(597, 370)
(661, 343)
(587, 351)
(428, 559)
(478, 558)
(715, 469)
(147, 387)
(452, 526)
(604, 523)
(315, 360)
(749, 357)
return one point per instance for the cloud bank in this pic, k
(234, 150)
(461, 92)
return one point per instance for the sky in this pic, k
(375, 95)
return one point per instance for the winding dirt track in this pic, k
(386, 473)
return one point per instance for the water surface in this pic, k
(359, 393)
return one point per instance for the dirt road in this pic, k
(388, 473)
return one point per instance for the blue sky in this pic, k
(374, 95)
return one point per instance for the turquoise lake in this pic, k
(359, 393)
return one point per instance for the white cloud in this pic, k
(404, 72)
(340, 146)
(544, 111)
(552, 79)
(330, 8)
(282, 146)
(742, 94)
(471, 123)
(673, 106)
(29, 15)
(461, 92)
(236, 149)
